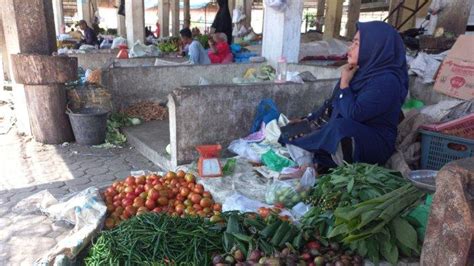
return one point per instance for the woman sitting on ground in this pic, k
(366, 105)
(219, 50)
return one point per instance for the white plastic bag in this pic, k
(300, 209)
(279, 5)
(243, 149)
(238, 202)
(291, 192)
(85, 210)
(117, 42)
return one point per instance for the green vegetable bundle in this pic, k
(345, 186)
(352, 183)
(114, 123)
(377, 227)
(156, 239)
(249, 231)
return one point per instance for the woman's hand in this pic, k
(347, 74)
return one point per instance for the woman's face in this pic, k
(353, 53)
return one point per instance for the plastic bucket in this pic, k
(89, 125)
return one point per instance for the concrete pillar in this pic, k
(58, 16)
(320, 15)
(175, 17)
(135, 21)
(5, 66)
(164, 9)
(84, 11)
(352, 17)
(187, 13)
(232, 4)
(29, 28)
(121, 29)
(332, 23)
(248, 12)
(282, 33)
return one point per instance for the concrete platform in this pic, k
(151, 139)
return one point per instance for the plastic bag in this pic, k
(276, 162)
(243, 149)
(238, 202)
(291, 192)
(105, 44)
(85, 210)
(117, 42)
(279, 5)
(300, 209)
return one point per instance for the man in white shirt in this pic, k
(196, 53)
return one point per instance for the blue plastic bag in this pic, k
(266, 112)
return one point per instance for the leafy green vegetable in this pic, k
(114, 123)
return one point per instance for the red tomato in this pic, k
(196, 198)
(158, 187)
(131, 195)
(139, 189)
(207, 194)
(279, 205)
(130, 209)
(153, 194)
(141, 180)
(184, 191)
(150, 204)
(197, 207)
(130, 180)
(180, 197)
(138, 202)
(148, 187)
(206, 202)
(217, 207)
(163, 201)
(127, 202)
(117, 203)
(157, 210)
(179, 208)
(198, 188)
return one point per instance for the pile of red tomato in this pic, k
(174, 193)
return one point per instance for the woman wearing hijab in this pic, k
(366, 104)
(223, 21)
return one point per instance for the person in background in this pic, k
(195, 51)
(219, 50)
(366, 105)
(223, 20)
(90, 37)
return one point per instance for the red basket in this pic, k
(462, 127)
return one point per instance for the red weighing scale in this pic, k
(208, 163)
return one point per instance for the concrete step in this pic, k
(151, 139)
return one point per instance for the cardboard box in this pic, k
(456, 74)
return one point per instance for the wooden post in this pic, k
(135, 21)
(320, 15)
(187, 14)
(332, 24)
(454, 17)
(352, 18)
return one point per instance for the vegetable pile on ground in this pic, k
(157, 239)
(176, 194)
(250, 239)
(147, 111)
(114, 123)
(364, 207)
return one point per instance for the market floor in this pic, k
(28, 167)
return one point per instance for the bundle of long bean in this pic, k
(154, 239)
